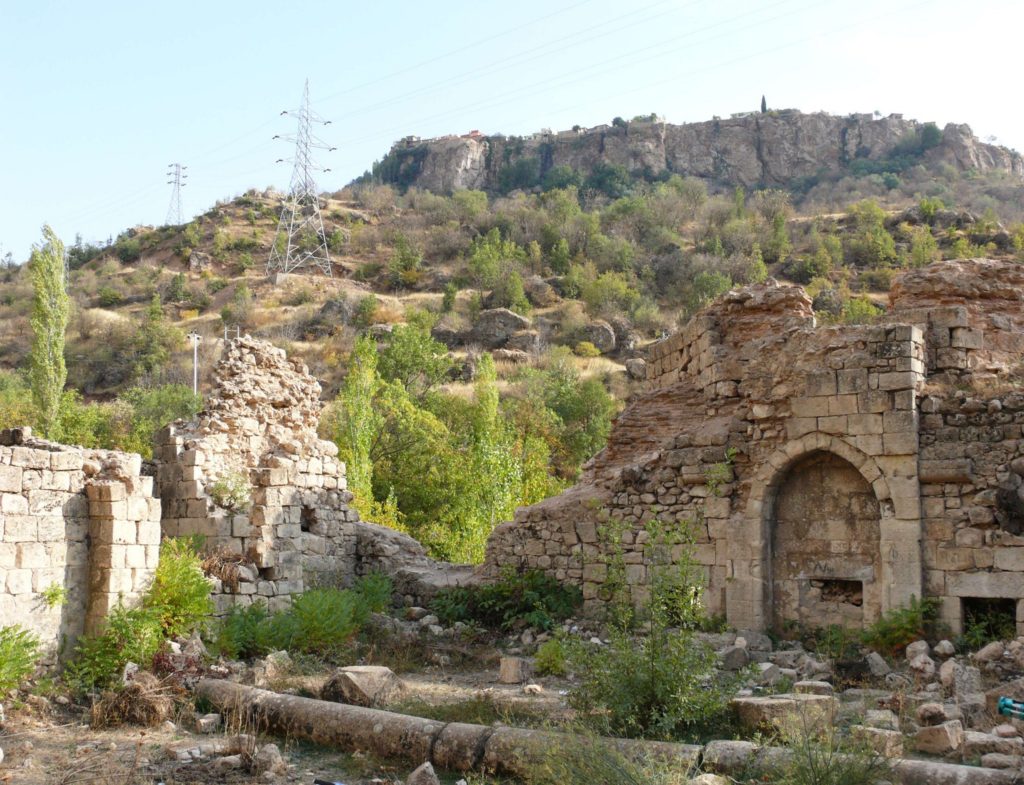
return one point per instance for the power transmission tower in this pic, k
(177, 174)
(300, 240)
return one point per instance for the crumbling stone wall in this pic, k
(79, 522)
(259, 428)
(750, 396)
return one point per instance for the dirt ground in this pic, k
(46, 743)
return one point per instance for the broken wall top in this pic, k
(262, 403)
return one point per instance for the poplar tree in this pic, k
(47, 371)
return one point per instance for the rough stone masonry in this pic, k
(829, 473)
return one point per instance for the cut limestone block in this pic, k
(363, 685)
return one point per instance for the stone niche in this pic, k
(825, 558)
(827, 474)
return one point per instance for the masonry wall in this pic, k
(79, 529)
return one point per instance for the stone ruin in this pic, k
(830, 473)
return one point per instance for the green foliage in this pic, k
(859, 310)
(900, 626)
(54, 595)
(321, 622)
(451, 291)
(404, 267)
(19, 652)
(109, 297)
(522, 174)
(530, 598)
(586, 349)
(986, 621)
(612, 180)
(664, 684)
(50, 304)
(176, 289)
(356, 423)
(16, 407)
(924, 249)
(231, 491)
(871, 245)
(179, 595)
(152, 408)
(551, 658)
(561, 176)
(492, 257)
(930, 206)
(820, 755)
(584, 759)
(177, 602)
(414, 358)
(129, 250)
(154, 341)
(366, 310)
(705, 288)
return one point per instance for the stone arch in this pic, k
(748, 594)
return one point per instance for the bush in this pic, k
(109, 297)
(530, 598)
(19, 650)
(586, 349)
(129, 251)
(901, 626)
(820, 756)
(320, 621)
(232, 491)
(177, 603)
(586, 760)
(551, 658)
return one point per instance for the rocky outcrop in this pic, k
(770, 149)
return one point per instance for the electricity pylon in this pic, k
(300, 240)
(177, 174)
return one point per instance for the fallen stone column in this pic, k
(460, 746)
(454, 746)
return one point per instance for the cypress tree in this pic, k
(47, 371)
(764, 105)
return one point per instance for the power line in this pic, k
(300, 240)
(177, 174)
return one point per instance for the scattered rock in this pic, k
(514, 670)
(276, 665)
(765, 712)
(886, 742)
(977, 744)
(599, 333)
(733, 658)
(877, 664)
(931, 714)
(227, 763)
(539, 292)
(923, 665)
(207, 723)
(415, 613)
(881, 718)
(916, 649)
(1006, 730)
(363, 685)
(424, 775)
(943, 739)
(495, 326)
(514, 356)
(944, 649)
(709, 779)
(532, 689)
(814, 687)
(636, 368)
(989, 653)
(524, 341)
(268, 758)
(767, 673)
(996, 760)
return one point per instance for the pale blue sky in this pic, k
(97, 98)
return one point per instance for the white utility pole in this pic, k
(196, 339)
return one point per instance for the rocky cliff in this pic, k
(770, 149)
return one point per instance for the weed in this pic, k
(55, 595)
(19, 651)
(232, 491)
(551, 658)
(584, 759)
(530, 598)
(900, 626)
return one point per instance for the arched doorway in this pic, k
(825, 557)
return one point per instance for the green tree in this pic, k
(871, 245)
(50, 303)
(923, 247)
(491, 256)
(356, 423)
(415, 359)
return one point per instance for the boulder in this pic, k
(961, 680)
(881, 718)
(626, 338)
(362, 685)
(733, 658)
(977, 744)
(599, 333)
(916, 649)
(767, 673)
(923, 665)
(424, 775)
(944, 739)
(989, 653)
(877, 664)
(524, 341)
(449, 336)
(709, 779)
(944, 649)
(636, 368)
(996, 760)
(495, 326)
(510, 356)
(268, 758)
(539, 292)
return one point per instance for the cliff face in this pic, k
(769, 149)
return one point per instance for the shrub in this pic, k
(321, 621)
(551, 658)
(19, 650)
(177, 603)
(180, 593)
(586, 349)
(530, 598)
(109, 297)
(451, 291)
(900, 626)
(232, 491)
(587, 760)
(129, 251)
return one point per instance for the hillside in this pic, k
(782, 149)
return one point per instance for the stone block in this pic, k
(514, 670)
(31, 555)
(858, 424)
(13, 504)
(852, 380)
(106, 491)
(886, 742)
(900, 443)
(19, 581)
(897, 380)
(821, 383)
(70, 460)
(1009, 559)
(796, 427)
(966, 338)
(810, 407)
(770, 711)
(28, 458)
(110, 510)
(21, 528)
(842, 404)
(944, 739)
(833, 424)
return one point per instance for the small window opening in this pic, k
(307, 519)
(838, 590)
(988, 619)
